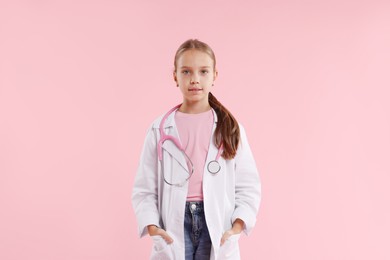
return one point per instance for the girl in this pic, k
(197, 186)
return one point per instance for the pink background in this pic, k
(80, 82)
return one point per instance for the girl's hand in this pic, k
(237, 228)
(153, 230)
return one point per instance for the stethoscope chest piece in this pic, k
(213, 167)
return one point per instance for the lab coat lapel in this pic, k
(213, 150)
(169, 146)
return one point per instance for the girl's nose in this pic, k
(194, 81)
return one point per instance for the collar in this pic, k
(170, 121)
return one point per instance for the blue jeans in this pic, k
(196, 235)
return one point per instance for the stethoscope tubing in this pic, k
(213, 166)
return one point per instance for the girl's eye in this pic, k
(205, 71)
(185, 72)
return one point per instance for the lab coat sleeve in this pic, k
(247, 185)
(144, 196)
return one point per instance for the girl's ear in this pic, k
(215, 74)
(174, 76)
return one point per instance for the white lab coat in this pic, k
(234, 192)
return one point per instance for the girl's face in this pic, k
(195, 75)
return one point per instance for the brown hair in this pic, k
(227, 132)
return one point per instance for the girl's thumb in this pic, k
(167, 238)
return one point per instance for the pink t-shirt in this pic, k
(195, 133)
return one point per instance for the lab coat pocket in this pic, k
(230, 249)
(161, 250)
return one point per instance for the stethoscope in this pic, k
(213, 166)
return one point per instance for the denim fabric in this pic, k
(196, 235)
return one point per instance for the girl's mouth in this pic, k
(195, 89)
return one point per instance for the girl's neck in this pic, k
(194, 108)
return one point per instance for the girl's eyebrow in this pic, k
(185, 67)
